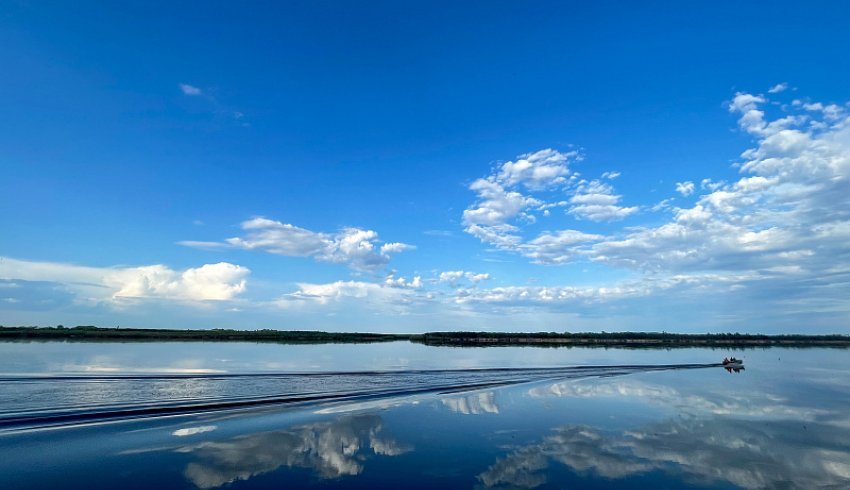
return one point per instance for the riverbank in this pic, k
(459, 339)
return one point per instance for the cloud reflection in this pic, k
(755, 442)
(754, 404)
(331, 449)
(770, 455)
(191, 431)
(473, 403)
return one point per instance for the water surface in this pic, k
(406, 415)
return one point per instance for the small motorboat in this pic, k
(733, 363)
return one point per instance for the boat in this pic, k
(733, 363)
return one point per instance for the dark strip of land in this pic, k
(459, 339)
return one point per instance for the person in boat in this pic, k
(725, 360)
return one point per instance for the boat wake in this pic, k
(32, 402)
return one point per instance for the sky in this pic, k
(422, 166)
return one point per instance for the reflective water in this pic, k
(536, 418)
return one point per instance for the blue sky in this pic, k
(402, 166)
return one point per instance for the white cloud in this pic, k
(395, 247)
(710, 184)
(596, 201)
(662, 205)
(501, 236)
(558, 247)
(572, 295)
(831, 112)
(381, 296)
(777, 236)
(685, 188)
(401, 282)
(451, 276)
(752, 119)
(496, 205)
(500, 203)
(357, 248)
(780, 226)
(222, 281)
(538, 170)
(210, 282)
(779, 87)
(189, 89)
(454, 277)
(784, 222)
(501, 209)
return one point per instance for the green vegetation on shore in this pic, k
(214, 335)
(459, 339)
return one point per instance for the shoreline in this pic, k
(447, 339)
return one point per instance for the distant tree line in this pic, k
(89, 332)
(552, 339)
(628, 339)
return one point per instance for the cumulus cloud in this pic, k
(210, 282)
(556, 247)
(454, 277)
(710, 184)
(685, 188)
(401, 282)
(776, 235)
(221, 281)
(496, 205)
(785, 222)
(501, 200)
(355, 247)
(515, 193)
(538, 170)
(596, 201)
(789, 209)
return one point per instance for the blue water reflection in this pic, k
(779, 424)
(333, 449)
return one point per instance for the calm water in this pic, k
(241, 415)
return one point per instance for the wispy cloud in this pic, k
(355, 247)
(212, 103)
(779, 87)
(190, 90)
